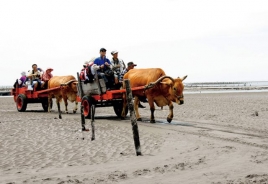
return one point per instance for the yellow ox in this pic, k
(67, 91)
(164, 91)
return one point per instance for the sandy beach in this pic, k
(214, 138)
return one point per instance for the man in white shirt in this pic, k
(118, 66)
(35, 76)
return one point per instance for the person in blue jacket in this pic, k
(104, 68)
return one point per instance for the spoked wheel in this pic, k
(21, 103)
(45, 104)
(86, 102)
(118, 107)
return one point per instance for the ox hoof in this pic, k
(73, 111)
(139, 119)
(60, 117)
(67, 112)
(152, 121)
(169, 120)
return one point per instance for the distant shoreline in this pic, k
(199, 87)
(193, 90)
(5, 93)
(225, 87)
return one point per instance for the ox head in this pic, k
(176, 89)
(71, 84)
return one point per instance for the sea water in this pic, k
(228, 84)
(220, 87)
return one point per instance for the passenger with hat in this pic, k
(118, 66)
(130, 66)
(104, 67)
(46, 77)
(21, 81)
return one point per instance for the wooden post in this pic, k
(92, 109)
(81, 94)
(133, 119)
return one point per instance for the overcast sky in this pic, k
(208, 40)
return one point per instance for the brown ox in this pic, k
(164, 91)
(67, 91)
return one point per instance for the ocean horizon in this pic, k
(202, 87)
(199, 84)
(227, 84)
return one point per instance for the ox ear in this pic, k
(183, 78)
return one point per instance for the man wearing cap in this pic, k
(130, 65)
(118, 66)
(103, 64)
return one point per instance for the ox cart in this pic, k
(25, 95)
(95, 94)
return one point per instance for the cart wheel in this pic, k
(21, 103)
(86, 102)
(45, 105)
(118, 107)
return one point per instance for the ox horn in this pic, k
(183, 78)
(65, 84)
(152, 84)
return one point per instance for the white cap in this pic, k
(114, 52)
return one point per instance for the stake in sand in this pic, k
(133, 119)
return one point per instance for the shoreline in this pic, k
(191, 90)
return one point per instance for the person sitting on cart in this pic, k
(82, 74)
(35, 76)
(21, 81)
(104, 68)
(88, 71)
(45, 77)
(131, 65)
(118, 66)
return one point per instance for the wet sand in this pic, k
(213, 138)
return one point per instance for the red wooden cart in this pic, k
(101, 97)
(23, 96)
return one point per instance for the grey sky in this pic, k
(207, 40)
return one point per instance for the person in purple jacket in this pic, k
(21, 81)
